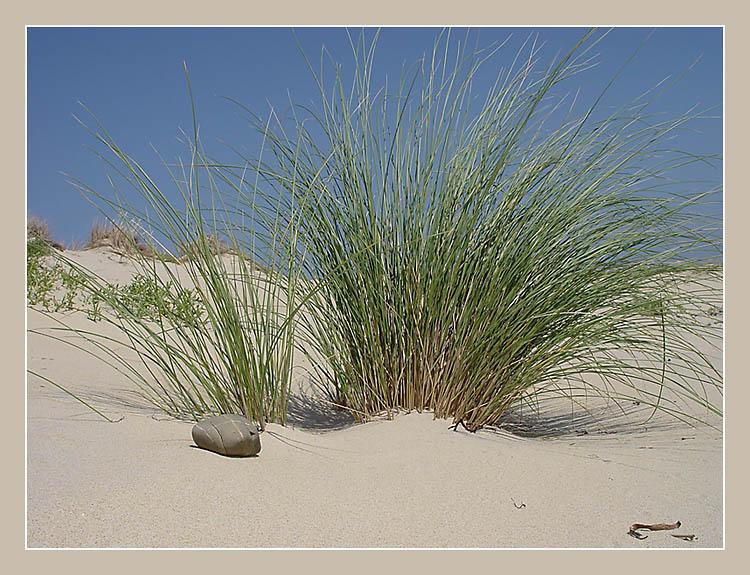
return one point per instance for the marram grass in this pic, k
(469, 254)
(222, 341)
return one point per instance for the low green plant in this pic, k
(37, 248)
(148, 299)
(40, 278)
(45, 277)
(55, 284)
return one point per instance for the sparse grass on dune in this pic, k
(38, 235)
(468, 261)
(119, 238)
(37, 228)
(215, 245)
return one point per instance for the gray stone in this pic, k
(232, 435)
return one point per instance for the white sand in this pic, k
(323, 482)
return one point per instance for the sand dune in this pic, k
(323, 481)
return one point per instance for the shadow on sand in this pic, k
(552, 423)
(312, 414)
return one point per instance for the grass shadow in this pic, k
(309, 413)
(559, 423)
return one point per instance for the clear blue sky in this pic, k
(132, 79)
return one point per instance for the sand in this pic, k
(323, 481)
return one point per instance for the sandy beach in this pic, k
(324, 481)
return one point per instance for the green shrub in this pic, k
(148, 299)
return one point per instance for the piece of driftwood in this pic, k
(636, 527)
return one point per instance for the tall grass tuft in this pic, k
(468, 253)
(224, 340)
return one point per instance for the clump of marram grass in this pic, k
(468, 255)
(230, 348)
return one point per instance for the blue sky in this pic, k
(132, 79)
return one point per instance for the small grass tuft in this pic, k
(37, 228)
(118, 238)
